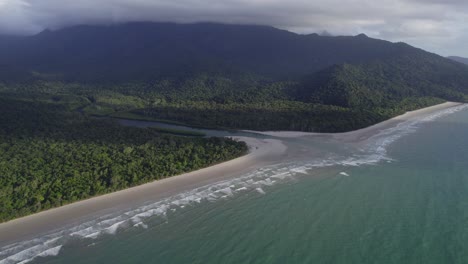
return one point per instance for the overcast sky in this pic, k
(440, 26)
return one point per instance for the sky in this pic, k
(439, 26)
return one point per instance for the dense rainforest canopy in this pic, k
(228, 76)
(50, 156)
(53, 149)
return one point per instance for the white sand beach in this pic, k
(362, 134)
(263, 152)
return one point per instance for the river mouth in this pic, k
(303, 158)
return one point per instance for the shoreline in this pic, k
(363, 133)
(262, 152)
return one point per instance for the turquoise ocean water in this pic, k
(401, 198)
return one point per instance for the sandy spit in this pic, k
(262, 152)
(365, 133)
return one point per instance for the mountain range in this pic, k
(459, 59)
(146, 50)
(230, 76)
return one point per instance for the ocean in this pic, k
(402, 197)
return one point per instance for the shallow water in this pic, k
(400, 198)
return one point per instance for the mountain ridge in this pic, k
(229, 76)
(459, 59)
(261, 49)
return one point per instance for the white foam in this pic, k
(47, 253)
(301, 169)
(282, 175)
(241, 189)
(376, 149)
(374, 152)
(113, 228)
(111, 224)
(30, 254)
(83, 232)
(260, 190)
(93, 235)
(141, 224)
(51, 252)
(227, 191)
(344, 174)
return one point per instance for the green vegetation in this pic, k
(50, 156)
(338, 99)
(227, 76)
(178, 132)
(387, 83)
(134, 116)
(54, 151)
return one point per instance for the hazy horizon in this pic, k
(435, 25)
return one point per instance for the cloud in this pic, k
(437, 25)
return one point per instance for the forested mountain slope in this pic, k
(386, 82)
(229, 76)
(53, 152)
(151, 50)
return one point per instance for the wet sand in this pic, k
(263, 152)
(365, 133)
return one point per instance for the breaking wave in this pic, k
(51, 245)
(255, 182)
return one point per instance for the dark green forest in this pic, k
(342, 102)
(228, 76)
(59, 90)
(50, 156)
